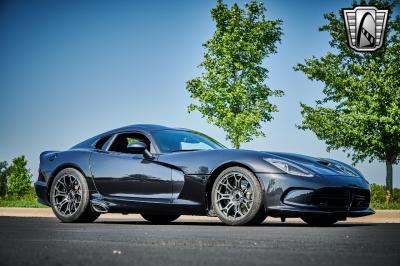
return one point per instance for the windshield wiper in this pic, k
(186, 150)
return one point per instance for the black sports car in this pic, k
(163, 172)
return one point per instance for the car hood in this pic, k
(322, 166)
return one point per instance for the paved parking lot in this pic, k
(46, 241)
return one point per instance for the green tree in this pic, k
(231, 92)
(20, 179)
(4, 176)
(360, 112)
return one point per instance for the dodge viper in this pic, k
(163, 172)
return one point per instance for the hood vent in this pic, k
(338, 167)
(325, 163)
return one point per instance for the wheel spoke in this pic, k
(245, 206)
(246, 200)
(236, 211)
(227, 186)
(228, 206)
(64, 183)
(224, 197)
(240, 210)
(62, 203)
(59, 193)
(237, 180)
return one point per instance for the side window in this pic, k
(194, 146)
(100, 143)
(121, 142)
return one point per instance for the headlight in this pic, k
(288, 167)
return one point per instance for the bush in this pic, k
(20, 179)
(385, 206)
(4, 176)
(380, 200)
(378, 193)
(396, 195)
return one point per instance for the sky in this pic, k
(72, 69)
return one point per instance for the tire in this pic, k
(238, 202)
(159, 219)
(319, 220)
(68, 188)
(260, 218)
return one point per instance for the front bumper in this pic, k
(42, 192)
(293, 212)
(293, 196)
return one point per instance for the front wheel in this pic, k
(319, 220)
(237, 197)
(159, 219)
(69, 197)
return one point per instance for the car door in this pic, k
(118, 173)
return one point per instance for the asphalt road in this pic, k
(45, 241)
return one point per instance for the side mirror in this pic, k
(139, 147)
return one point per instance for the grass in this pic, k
(27, 201)
(384, 206)
(21, 203)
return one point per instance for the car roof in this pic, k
(145, 128)
(142, 127)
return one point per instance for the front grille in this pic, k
(341, 198)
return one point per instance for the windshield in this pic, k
(170, 140)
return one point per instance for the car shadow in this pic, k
(216, 223)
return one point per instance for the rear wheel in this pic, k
(69, 197)
(237, 197)
(159, 219)
(319, 220)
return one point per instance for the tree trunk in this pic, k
(389, 177)
(235, 142)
